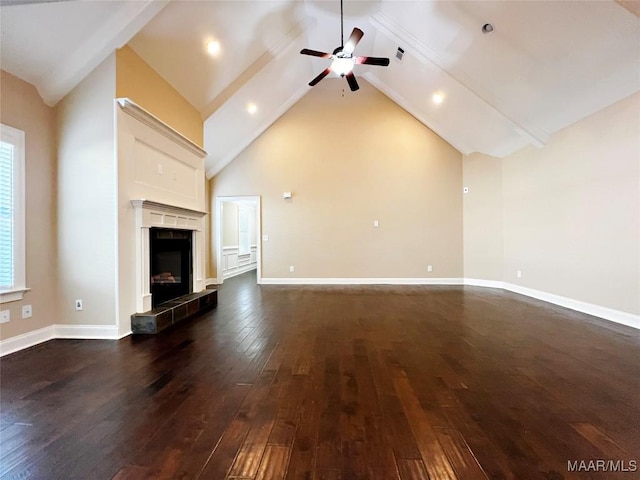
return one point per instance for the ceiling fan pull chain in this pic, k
(341, 26)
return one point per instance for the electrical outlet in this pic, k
(429, 268)
(5, 316)
(376, 223)
(519, 273)
(265, 238)
(26, 311)
(292, 268)
(78, 305)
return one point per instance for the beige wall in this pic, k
(229, 224)
(136, 80)
(87, 199)
(350, 160)
(21, 107)
(572, 211)
(483, 217)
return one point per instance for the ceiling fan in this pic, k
(343, 59)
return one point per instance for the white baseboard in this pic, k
(81, 332)
(26, 340)
(239, 270)
(362, 281)
(475, 282)
(109, 332)
(210, 281)
(87, 332)
(610, 314)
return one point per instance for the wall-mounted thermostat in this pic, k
(286, 195)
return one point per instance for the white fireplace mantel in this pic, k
(151, 214)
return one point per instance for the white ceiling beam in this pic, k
(117, 30)
(273, 53)
(394, 31)
(214, 165)
(430, 123)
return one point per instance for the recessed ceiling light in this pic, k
(487, 28)
(252, 108)
(213, 47)
(438, 98)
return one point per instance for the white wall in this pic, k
(21, 107)
(483, 218)
(570, 213)
(350, 160)
(87, 200)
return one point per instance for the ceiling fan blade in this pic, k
(380, 61)
(353, 40)
(315, 53)
(319, 77)
(353, 83)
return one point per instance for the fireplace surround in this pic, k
(175, 232)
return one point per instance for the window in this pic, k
(244, 225)
(12, 241)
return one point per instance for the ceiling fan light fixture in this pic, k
(342, 65)
(342, 58)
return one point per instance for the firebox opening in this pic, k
(171, 264)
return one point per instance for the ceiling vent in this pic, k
(400, 54)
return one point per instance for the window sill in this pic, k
(12, 295)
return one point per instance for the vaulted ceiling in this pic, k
(545, 66)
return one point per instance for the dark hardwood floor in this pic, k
(332, 383)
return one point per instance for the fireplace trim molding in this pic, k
(155, 214)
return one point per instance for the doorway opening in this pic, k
(238, 236)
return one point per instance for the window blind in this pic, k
(7, 212)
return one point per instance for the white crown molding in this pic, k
(411, 110)
(132, 109)
(116, 31)
(218, 165)
(396, 32)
